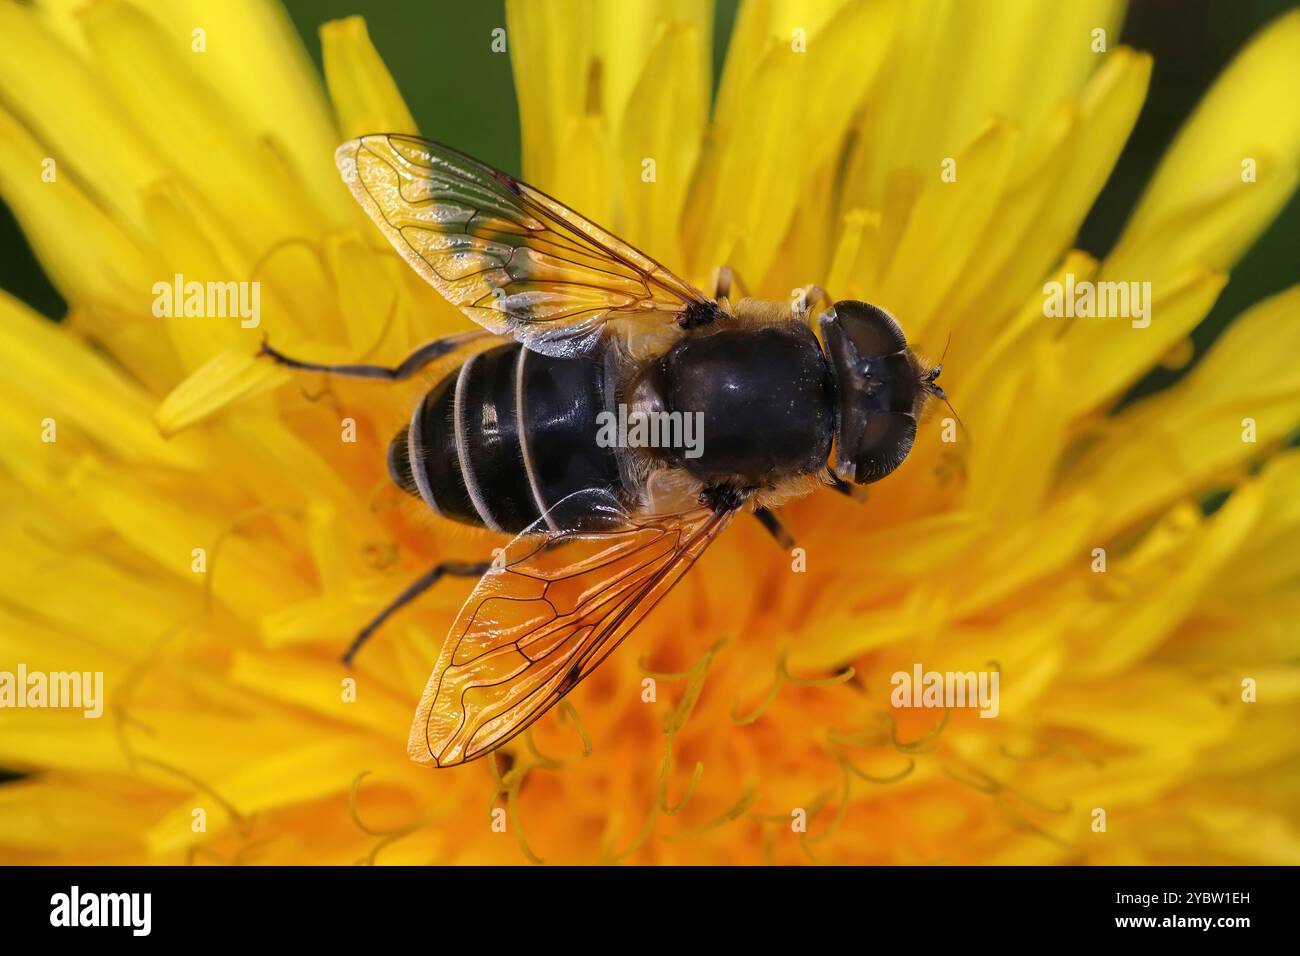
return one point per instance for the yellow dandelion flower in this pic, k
(209, 533)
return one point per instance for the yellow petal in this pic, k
(318, 688)
(40, 739)
(367, 297)
(1269, 559)
(1249, 834)
(1265, 740)
(366, 98)
(1166, 578)
(1249, 113)
(573, 81)
(192, 129)
(254, 57)
(1108, 108)
(754, 169)
(1178, 440)
(97, 599)
(227, 377)
(193, 252)
(158, 521)
(943, 230)
(44, 649)
(942, 89)
(74, 385)
(664, 122)
(586, 178)
(53, 815)
(59, 17)
(758, 164)
(1155, 708)
(1056, 179)
(845, 53)
(1022, 554)
(292, 776)
(802, 258)
(1108, 354)
(856, 255)
(98, 262)
(1022, 407)
(73, 116)
(307, 473)
(1016, 333)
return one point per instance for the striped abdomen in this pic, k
(504, 437)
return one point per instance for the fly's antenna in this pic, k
(928, 383)
(943, 397)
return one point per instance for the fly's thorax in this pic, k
(644, 394)
(751, 406)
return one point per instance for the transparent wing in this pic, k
(512, 258)
(543, 620)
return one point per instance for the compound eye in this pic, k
(871, 329)
(881, 447)
(399, 463)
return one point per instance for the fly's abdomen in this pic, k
(504, 438)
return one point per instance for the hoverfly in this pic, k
(581, 322)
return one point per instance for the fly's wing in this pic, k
(555, 607)
(512, 258)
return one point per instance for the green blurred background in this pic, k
(434, 49)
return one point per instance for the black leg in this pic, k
(414, 362)
(848, 489)
(726, 278)
(698, 314)
(813, 297)
(774, 527)
(457, 569)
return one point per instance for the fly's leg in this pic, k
(412, 364)
(456, 569)
(701, 313)
(727, 277)
(848, 489)
(807, 300)
(774, 527)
